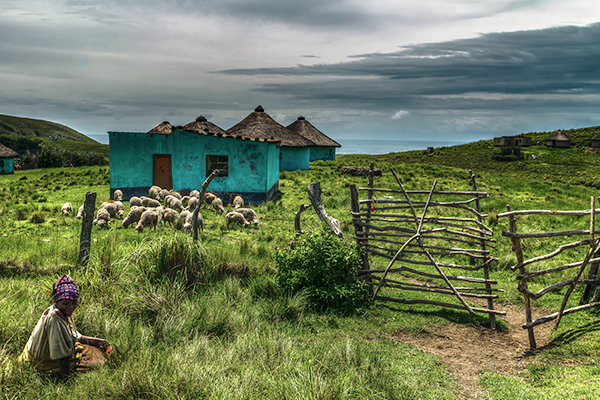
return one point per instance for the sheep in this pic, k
(102, 218)
(120, 208)
(118, 195)
(195, 193)
(80, 212)
(236, 217)
(175, 193)
(134, 215)
(170, 215)
(111, 207)
(217, 204)
(236, 200)
(187, 226)
(148, 218)
(185, 200)
(209, 197)
(154, 192)
(149, 203)
(66, 209)
(184, 214)
(249, 214)
(176, 204)
(135, 201)
(163, 194)
(193, 203)
(168, 199)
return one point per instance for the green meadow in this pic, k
(214, 319)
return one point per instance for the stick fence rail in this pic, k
(592, 258)
(421, 235)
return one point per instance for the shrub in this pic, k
(323, 267)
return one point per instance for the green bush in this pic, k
(323, 267)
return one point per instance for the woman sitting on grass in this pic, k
(55, 347)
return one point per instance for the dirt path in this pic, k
(468, 350)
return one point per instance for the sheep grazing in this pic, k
(149, 203)
(135, 201)
(195, 193)
(102, 218)
(235, 217)
(120, 208)
(134, 215)
(175, 193)
(217, 204)
(118, 195)
(148, 218)
(170, 215)
(154, 192)
(236, 200)
(66, 209)
(185, 200)
(80, 212)
(250, 215)
(209, 197)
(111, 207)
(184, 214)
(187, 226)
(193, 203)
(164, 193)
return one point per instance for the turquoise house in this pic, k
(7, 160)
(183, 157)
(294, 149)
(323, 147)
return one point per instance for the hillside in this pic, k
(32, 135)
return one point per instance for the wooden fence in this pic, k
(528, 271)
(449, 228)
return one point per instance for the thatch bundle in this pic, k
(7, 152)
(305, 129)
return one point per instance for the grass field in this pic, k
(210, 320)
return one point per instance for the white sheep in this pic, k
(209, 197)
(102, 218)
(134, 215)
(66, 209)
(217, 204)
(149, 203)
(111, 207)
(187, 226)
(193, 203)
(249, 214)
(236, 200)
(164, 193)
(195, 193)
(236, 217)
(148, 218)
(176, 204)
(154, 192)
(120, 208)
(118, 195)
(175, 193)
(80, 212)
(135, 201)
(185, 200)
(170, 215)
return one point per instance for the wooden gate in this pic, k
(162, 171)
(447, 236)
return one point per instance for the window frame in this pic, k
(217, 161)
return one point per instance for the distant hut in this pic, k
(7, 160)
(201, 124)
(295, 149)
(512, 141)
(596, 141)
(323, 148)
(559, 139)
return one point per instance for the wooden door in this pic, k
(162, 171)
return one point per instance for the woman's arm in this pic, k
(92, 341)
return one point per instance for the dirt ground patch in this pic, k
(467, 350)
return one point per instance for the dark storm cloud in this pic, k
(544, 62)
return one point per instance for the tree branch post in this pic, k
(215, 173)
(314, 194)
(86, 228)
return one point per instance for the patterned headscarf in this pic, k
(65, 289)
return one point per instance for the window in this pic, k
(217, 162)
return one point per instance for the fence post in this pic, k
(519, 252)
(86, 228)
(358, 231)
(486, 268)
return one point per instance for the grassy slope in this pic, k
(231, 334)
(13, 128)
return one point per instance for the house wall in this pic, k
(7, 165)
(294, 159)
(595, 144)
(253, 166)
(322, 153)
(558, 143)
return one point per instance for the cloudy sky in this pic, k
(452, 70)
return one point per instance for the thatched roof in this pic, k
(559, 136)
(201, 124)
(305, 129)
(7, 152)
(260, 124)
(597, 137)
(164, 128)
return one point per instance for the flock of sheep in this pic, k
(167, 206)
